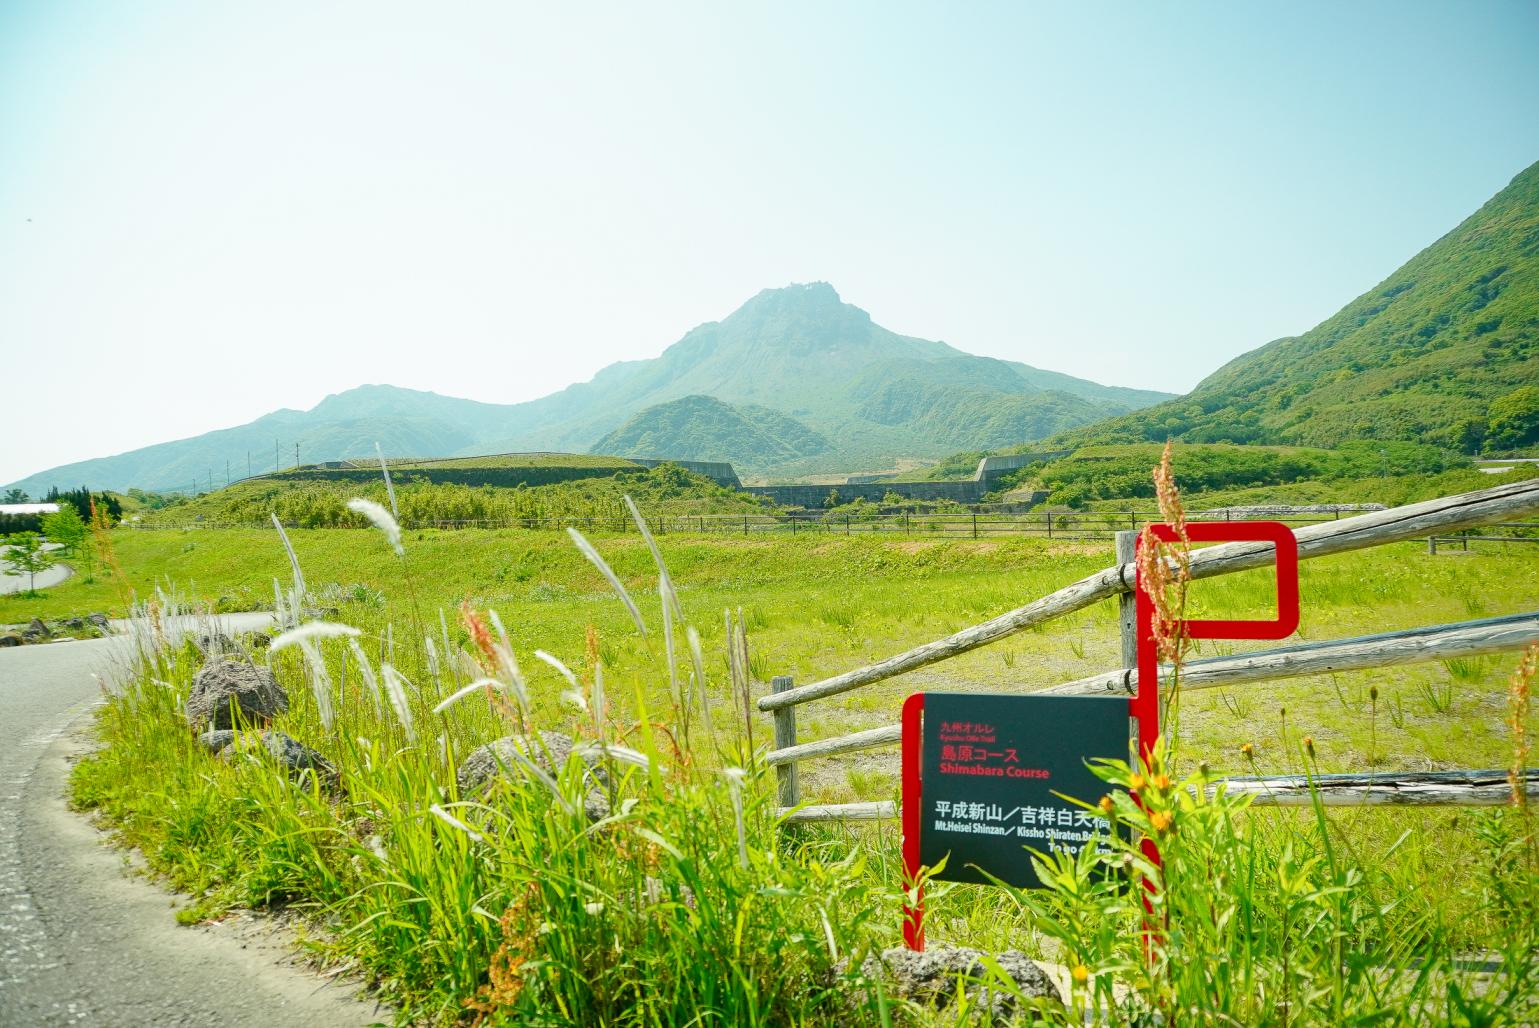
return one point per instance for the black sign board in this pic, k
(990, 767)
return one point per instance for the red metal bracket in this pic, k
(913, 913)
(1144, 705)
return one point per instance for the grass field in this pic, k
(812, 607)
(482, 494)
(1390, 490)
(823, 605)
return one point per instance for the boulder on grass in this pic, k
(930, 978)
(221, 684)
(216, 742)
(549, 752)
(298, 761)
(217, 644)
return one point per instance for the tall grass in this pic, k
(683, 904)
(1195, 910)
(688, 904)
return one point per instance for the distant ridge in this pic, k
(804, 381)
(705, 428)
(1443, 351)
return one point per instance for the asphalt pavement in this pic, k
(81, 941)
(10, 583)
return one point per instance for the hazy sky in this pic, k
(208, 211)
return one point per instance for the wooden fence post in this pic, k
(1127, 603)
(1127, 617)
(785, 735)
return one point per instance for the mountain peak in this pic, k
(812, 294)
(804, 299)
(798, 319)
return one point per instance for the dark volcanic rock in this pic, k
(217, 644)
(298, 761)
(216, 741)
(250, 688)
(930, 978)
(549, 753)
(297, 758)
(9, 639)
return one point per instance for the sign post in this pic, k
(984, 775)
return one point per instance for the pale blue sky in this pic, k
(208, 211)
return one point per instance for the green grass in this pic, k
(1390, 490)
(437, 922)
(485, 495)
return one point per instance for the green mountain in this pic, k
(751, 437)
(805, 382)
(1444, 351)
(803, 351)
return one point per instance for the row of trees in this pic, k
(1117, 472)
(26, 553)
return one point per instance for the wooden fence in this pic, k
(1517, 532)
(1438, 517)
(977, 524)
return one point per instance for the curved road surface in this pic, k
(80, 941)
(10, 583)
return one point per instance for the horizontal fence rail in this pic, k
(1406, 789)
(1490, 788)
(1398, 524)
(1387, 649)
(1520, 532)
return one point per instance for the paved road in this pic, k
(45, 579)
(80, 941)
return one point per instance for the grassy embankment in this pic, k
(425, 921)
(474, 492)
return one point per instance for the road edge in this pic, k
(265, 944)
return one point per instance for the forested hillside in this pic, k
(1444, 351)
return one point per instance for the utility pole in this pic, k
(248, 463)
(276, 458)
(296, 456)
(227, 471)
